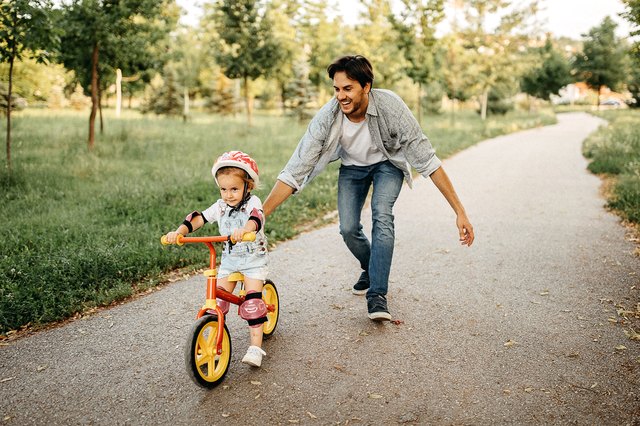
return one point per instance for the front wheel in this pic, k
(204, 365)
(270, 297)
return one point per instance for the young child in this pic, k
(237, 213)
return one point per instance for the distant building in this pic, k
(580, 93)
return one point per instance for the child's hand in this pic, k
(172, 237)
(237, 234)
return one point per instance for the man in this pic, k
(377, 139)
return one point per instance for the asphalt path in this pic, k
(521, 328)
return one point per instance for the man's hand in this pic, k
(466, 230)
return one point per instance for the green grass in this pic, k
(615, 151)
(82, 229)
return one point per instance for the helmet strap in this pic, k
(245, 197)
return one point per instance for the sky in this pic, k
(569, 18)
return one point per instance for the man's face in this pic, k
(353, 98)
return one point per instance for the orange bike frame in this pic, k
(213, 291)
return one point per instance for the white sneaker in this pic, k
(254, 356)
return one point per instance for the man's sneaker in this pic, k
(377, 306)
(254, 356)
(362, 285)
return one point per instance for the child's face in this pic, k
(231, 188)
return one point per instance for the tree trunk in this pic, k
(118, 92)
(185, 109)
(483, 106)
(452, 118)
(598, 98)
(11, 60)
(94, 96)
(100, 108)
(249, 101)
(283, 98)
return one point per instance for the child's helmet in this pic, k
(237, 159)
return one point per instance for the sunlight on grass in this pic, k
(85, 226)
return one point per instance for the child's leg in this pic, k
(255, 333)
(226, 284)
(229, 286)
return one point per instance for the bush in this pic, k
(615, 150)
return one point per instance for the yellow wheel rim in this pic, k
(270, 297)
(211, 366)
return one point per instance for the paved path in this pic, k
(519, 329)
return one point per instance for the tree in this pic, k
(246, 48)
(495, 54)
(550, 76)
(632, 14)
(102, 35)
(416, 30)
(376, 39)
(602, 61)
(456, 62)
(283, 14)
(300, 90)
(320, 38)
(26, 28)
(188, 61)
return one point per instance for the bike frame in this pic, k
(213, 291)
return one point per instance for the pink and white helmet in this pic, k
(237, 159)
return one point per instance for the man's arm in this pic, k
(442, 182)
(279, 193)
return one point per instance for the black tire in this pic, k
(206, 368)
(270, 296)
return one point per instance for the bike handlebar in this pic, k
(181, 240)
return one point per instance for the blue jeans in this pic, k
(353, 186)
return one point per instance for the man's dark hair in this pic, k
(356, 67)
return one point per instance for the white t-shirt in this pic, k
(357, 147)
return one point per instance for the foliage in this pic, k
(614, 150)
(300, 91)
(246, 48)
(106, 209)
(102, 35)
(320, 38)
(282, 14)
(223, 98)
(455, 64)
(163, 95)
(500, 100)
(17, 102)
(416, 29)
(633, 81)
(550, 76)
(37, 82)
(494, 55)
(25, 27)
(602, 61)
(632, 14)
(375, 38)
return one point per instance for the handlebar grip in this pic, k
(249, 236)
(164, 242)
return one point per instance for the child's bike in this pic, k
(208, 350)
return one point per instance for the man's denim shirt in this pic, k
(394, 131)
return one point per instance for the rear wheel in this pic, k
(204, 365)
(270, 297)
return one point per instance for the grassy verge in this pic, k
(81, 227)
(614, 152)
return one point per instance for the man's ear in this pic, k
(367, 88)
